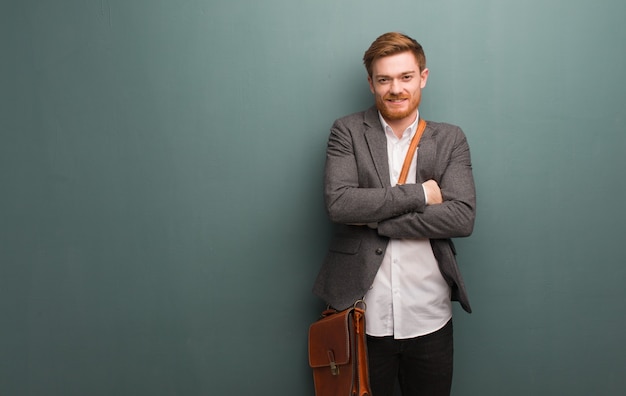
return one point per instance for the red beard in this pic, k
(394, 114)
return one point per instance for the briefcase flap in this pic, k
(329, 340)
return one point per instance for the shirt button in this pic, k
(379, 251)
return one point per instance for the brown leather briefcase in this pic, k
(338, 353)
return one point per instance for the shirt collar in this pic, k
(411, 129)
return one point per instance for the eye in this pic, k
(383, 80)
(407, 77)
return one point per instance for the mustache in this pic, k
(395, 97)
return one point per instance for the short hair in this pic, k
(393, 43)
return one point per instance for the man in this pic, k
(392, 243)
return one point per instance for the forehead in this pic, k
(395, 64)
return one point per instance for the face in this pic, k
(397, 83)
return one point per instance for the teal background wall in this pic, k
(161, 216)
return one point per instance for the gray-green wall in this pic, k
(161, 172)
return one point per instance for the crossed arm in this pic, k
(354, 194)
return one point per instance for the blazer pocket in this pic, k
(345, 245)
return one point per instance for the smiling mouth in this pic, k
(396, 100)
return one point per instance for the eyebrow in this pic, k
(400, 74)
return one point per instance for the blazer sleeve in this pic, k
(455, 216)
(353, 187)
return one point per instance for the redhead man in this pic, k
(392, 242)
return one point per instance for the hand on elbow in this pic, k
(433, 192)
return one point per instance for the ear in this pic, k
(371, 83)
(424, 77)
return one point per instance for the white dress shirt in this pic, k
(409, 296)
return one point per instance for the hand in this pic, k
(433, 192)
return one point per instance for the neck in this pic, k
(399, 126)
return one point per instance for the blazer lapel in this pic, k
(426, 155)
(377, 144)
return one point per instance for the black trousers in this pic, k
(422, 365)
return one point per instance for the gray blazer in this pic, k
(367, 211)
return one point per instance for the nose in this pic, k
(395, 88)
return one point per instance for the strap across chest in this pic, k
(421, 126)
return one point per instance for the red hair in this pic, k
(391, 44)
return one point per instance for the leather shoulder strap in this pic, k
(421, 126)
